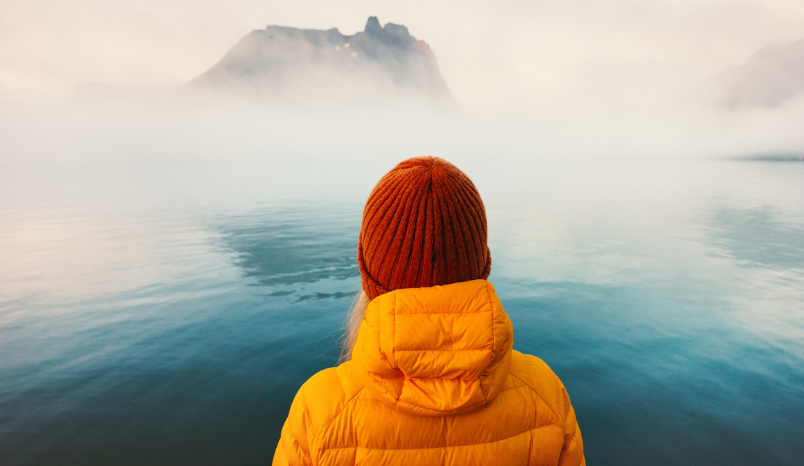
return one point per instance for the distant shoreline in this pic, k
(772, 158)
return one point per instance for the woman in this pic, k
(430, 376)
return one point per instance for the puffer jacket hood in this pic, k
(439, 351)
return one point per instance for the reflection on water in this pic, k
(143, 326)
(295, 244)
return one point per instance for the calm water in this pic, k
(167, 315)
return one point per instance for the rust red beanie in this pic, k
(424, 225)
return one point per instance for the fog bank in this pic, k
(579, 80)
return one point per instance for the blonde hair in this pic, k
(352, 325)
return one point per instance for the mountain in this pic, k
(772, 76)
(290, 64)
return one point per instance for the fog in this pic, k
(533, 80)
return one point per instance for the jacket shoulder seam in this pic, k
(538, 396)
(325, 430)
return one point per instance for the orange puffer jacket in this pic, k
(433, 380)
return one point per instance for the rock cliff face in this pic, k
(305, 64)
(773, 75)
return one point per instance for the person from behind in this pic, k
(429, 375)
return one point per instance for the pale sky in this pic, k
(495, 55)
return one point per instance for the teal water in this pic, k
(167, 315)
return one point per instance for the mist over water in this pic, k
(184, 127)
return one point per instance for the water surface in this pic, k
(167, 315)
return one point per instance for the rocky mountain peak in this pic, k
(290, 63)
(373, 26)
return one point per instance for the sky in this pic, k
(496, 56)
(562, 79)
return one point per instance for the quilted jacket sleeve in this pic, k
(572, 453)
(293, 448)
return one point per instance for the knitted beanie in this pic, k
(424, 225)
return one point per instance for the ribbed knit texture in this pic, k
(424, 225)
